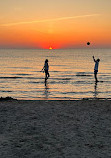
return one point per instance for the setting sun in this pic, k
(50, 48)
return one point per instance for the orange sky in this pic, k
(56, 24)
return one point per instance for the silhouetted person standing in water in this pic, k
(46, 69)
(96, 68)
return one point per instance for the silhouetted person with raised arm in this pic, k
(96, 68)
(46, 69)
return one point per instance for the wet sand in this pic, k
(55, 129)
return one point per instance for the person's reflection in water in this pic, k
(95, 90)
(46, 91)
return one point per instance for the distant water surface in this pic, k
(71, 74)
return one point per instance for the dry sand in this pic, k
(55, 129)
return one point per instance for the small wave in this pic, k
(58, 65)
(77, 92)
(16, 77)
(68, 92)
(80, 82)
(55, 71)
(68, 76)
(82, 74)
(59, 82)
(35, 78)
(52, 56)
(62, 78)
(23, 74)
(6, 91)
(66, 79)
(36, 71)
(34, 82)
(19, 67)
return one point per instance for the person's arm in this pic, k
(94, 59)
(43, 68)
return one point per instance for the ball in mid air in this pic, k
(88, 43)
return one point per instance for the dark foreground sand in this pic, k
(55, 129)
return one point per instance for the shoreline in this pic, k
(53, 99)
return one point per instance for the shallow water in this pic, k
(71, 74)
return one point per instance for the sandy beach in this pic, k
(55, 129)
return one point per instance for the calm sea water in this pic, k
(71, 74)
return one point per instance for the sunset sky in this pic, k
(55, 23)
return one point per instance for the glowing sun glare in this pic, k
(50, 48)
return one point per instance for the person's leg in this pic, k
(45, 76)
(95, 75)
(48, 74)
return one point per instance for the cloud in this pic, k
(49, 20)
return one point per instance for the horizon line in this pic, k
(57, 48)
